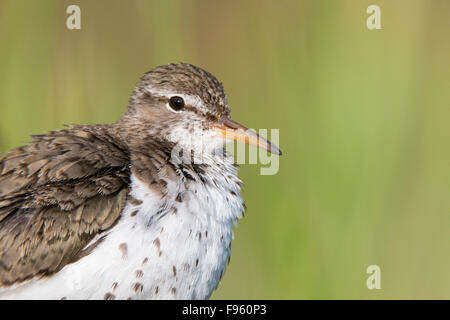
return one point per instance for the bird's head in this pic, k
(187, 106)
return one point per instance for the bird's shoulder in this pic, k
(56, 194)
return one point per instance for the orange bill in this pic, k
(231, 130)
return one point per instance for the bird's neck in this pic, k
(157, 161)
(215, 181)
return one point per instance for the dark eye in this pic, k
(176, 103)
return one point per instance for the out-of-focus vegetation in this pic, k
(364, 119)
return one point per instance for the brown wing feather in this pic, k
(56, 194)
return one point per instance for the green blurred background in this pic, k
(363, 118)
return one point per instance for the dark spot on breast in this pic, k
(145, 261)
(109, 296)
(199, 234)
(196, 262)
(134, 213)
(114, 286)
(138, 287)
(206, 234)
(186, 266)
(134, 201)
(174, 211)
(188, 174)
(174, 271)
(163, 183)
(173, 291)
(178, 198)
(64, 298)
(123, 247)
(233, 193)
(156, 290)
(139, 273)
(157, 243)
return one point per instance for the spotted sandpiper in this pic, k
(108, 212)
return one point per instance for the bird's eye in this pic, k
(176, 103)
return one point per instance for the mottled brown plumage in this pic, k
(56, 194)
(189, 79)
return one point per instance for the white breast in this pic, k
(175, 247)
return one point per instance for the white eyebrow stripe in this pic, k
(189, 99)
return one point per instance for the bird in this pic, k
(143, 208)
